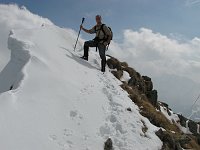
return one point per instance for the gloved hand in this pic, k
(105, 43)
(81, 27)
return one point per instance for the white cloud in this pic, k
(192, 2)
(154, 52)
(173, 65)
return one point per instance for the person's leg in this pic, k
(102, 50)
(88, 44)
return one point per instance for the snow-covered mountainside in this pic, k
(13, 17)
(52, 100)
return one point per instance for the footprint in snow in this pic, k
(73, 113)
(112, 118)
(53, 137)
(77, 117)
(68, 132)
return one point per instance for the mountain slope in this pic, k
(59, 101)
(13, 17)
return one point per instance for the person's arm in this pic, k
(91, 31)
(108, 33)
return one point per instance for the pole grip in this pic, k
(83, 19)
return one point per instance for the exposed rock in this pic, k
(118, 74)
(129, 109)
(178, 146)
(11, 87)
(108, 145)
(141, 86)
(167, 107)
(124, 65)
(184, 140)
(131, 71)
(146, 78)
(191, 124)
(164, 104)
(149, 85)
(168, 140)
(132, 81)
(138, 75)
(198, 139)
(182, 120)
(114, 64)
(153, 97)
(127, 88)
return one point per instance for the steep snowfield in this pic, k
(60, 102)
(13, 17)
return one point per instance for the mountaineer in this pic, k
(101, 41)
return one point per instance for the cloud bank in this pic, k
(173, 65)
(159, 54)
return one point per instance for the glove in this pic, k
(105, 43)
(81, 27)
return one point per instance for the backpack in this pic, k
(104, 39)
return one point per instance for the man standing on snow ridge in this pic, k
(102, 39)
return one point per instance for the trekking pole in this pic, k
(79, 34)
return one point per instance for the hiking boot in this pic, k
(103, 65)
(84, 57)
(103, 70)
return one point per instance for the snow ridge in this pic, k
(65, 103)
(12, 75)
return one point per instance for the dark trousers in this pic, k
(102, 50)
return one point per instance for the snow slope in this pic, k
(13, 17)
(60, 102)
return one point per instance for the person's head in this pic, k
(98, 19)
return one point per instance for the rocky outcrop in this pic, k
(108, 145)
(153, 97)
(113, 63)
(142, 83)
(171, 142)
(118, 74)
(192, 125)
(141, 92)
(198, 139)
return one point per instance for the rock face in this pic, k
(108, 144)
(142, 83)
(198, 139)
(132, 81)
(118, 74)
(191, 124)
(153, 97)
(146, 78)
(170, 142)
(113, 63)
(182, 120)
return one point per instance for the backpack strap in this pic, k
(101, 29)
